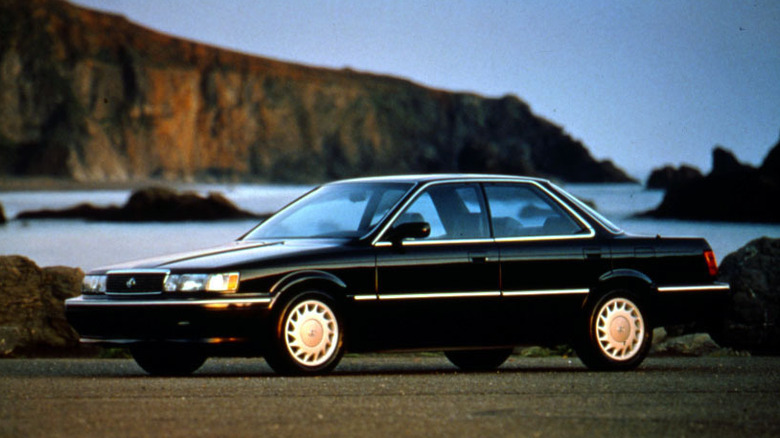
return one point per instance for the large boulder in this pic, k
(32, 306)
(752, 321)
(2, 215)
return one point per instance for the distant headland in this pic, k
(92, 97)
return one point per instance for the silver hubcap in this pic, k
(620, 329)
(311, 333)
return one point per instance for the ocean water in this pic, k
(92, 244)
(88, 244)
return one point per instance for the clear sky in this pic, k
(641, 82)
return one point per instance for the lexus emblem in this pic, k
(130, 283)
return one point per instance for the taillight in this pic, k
(712, 262)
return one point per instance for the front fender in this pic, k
(295, 278)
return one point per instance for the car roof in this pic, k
(442, 177)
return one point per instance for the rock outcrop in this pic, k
(669, 176)
(32, 308)
(753, 319)
(93, 97)
(154, 204)
(691, 344)
(2, 215)
(733, 191)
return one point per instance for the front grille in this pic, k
(135, 283)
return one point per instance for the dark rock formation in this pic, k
(731, 192)
(2, 215)
(32, 308)
(668, 176)
(156, 204)
(753, 318)
(725, 163)
(771, 164)
(93, 97)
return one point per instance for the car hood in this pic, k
(234, 254)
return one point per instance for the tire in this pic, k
(307, 336)
(478, 360)
(166, 360)
(616, 335)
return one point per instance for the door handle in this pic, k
(592, 253)
(479, 258)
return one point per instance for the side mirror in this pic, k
(410, 230)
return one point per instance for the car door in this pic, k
(437, 290)
(548, 258)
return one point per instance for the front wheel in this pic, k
(616, 336)
(166, 360)
(307, 337)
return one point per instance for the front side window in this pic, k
(520, 210)
(454, 212)
(333, 211)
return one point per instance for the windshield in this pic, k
(347, 210)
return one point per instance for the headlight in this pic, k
(202, 282)
(93, 284)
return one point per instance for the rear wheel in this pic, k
(478, 360)
(307, 337)
(167, 360)
(616, 335)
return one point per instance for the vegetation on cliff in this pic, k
(93, 97)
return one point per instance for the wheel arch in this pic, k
(639, 284)
(314, 280)
(628, 277)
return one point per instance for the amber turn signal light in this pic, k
(712, 262)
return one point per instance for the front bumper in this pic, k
(111, 320)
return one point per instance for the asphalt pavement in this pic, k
(393, 396)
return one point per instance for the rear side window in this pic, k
(520, 210)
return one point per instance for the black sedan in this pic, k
(466, 264)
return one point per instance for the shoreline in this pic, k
(39, 184)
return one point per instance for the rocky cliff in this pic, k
(93, 97)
